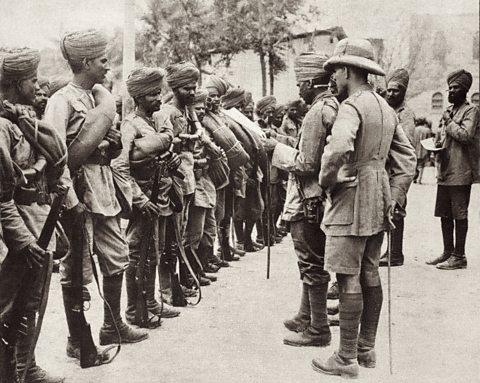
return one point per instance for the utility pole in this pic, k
(128, 61)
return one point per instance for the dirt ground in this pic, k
(235, 334)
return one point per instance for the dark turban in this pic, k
(143, 81)
(200, 96)
(266, 104)
(399, 77)
(460, 77)
(297, 104)
(19, 63)
(233, 98)
(87, 44)
(279, 110)
(181, 74)
(217, 83)
(309, 66)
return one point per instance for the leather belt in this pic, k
(29, 196)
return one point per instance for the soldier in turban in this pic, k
(397, 84)
(41, 96)
(83, 112)
(234, 98)
(264, 109)
(304, 200)
(182, 78)
(201, 227)
(141, 144)
(458, 168)
(23, 217)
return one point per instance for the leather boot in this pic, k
(112, 290)
(35, 374)
(152, 304)
(301, 321)
(213, 259)
(203, 253)
(336, 365)
(238, 225)
(225, 246)
(441, 258)
(397, 257)
(8, 361)
(131, 286)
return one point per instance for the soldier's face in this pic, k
(27, 90)
(41, 99)
(213, 99)
(186, 94)
(305, 90)
(456, 93)
(395, 94)
(97, 69)
(152, 102)
(199, 109)
(340, 75)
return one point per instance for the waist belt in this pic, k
(374, 163)
(29, 196)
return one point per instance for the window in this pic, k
(437, 102)
(475, 99)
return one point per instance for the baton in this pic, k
(389, 280)
(268, 216)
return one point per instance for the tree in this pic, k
(177, 30)
(261, 25)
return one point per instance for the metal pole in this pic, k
(389, 279)
(128, 62)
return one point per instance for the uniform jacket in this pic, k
(457, 163)
(304, 160)
(66, 111)
(406, 118)
(366, 139)
(140, 174)
(171, 118)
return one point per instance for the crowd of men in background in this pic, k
(152, 192)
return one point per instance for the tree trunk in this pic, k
(270, 72)
(264, 72)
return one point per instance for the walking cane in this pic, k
(268, 216)
(389, 280)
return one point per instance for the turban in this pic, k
(297, 104)
(143, 81)
(233, 98)
(181, 74)
(400, 77)
(200, 96)
(266, 104)
(217, 83)
(19, 63)
(87, 44)
(279, 110)
(309, 66)
(460, 77)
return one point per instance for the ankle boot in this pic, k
(112, 320)
(73, 322)
(225, 246)
(35, 374)
(337, 365)
(302, 320)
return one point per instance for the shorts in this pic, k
(452, 201)
(350, 254)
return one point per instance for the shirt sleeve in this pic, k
(57, 114)
(340, 146)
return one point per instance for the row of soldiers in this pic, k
(180, 173)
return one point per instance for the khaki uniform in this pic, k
(366, 139)
(304, 163)
(93, 185)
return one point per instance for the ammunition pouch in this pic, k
(313, 210)
(28, 196)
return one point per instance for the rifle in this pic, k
(141, 311)
(46, 273)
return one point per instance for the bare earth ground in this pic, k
(235, 334)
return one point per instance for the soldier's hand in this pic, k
(114, 136)
(342, 179)
(391, 214)
(447, 116)
(269, 144)
(150, 210)
(30, 174)
(174, 161)
(35, 255)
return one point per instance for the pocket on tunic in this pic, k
(341, 205)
